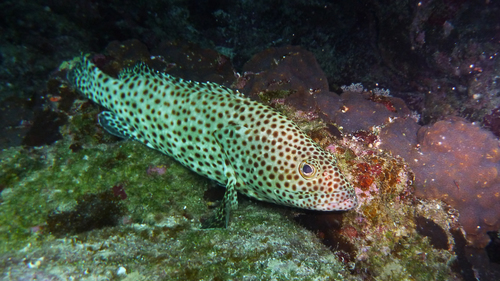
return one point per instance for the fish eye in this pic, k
(307, 170)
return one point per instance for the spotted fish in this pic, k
(219, 133)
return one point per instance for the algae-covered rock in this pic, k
(262, 245)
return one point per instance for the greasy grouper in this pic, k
(217, 132)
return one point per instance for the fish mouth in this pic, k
(345, 205)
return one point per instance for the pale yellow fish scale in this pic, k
(220, 134)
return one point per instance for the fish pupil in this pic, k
(306, 169)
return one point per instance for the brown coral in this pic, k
(400, 137)
(458, 163)
(292, 69)
(361, 112)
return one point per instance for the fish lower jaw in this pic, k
(338, 206)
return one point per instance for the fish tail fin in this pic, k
(79, 74)
(88, 79)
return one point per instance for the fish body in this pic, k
(219, 133)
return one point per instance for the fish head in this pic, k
(318, 184)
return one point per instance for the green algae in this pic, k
(65, 176)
